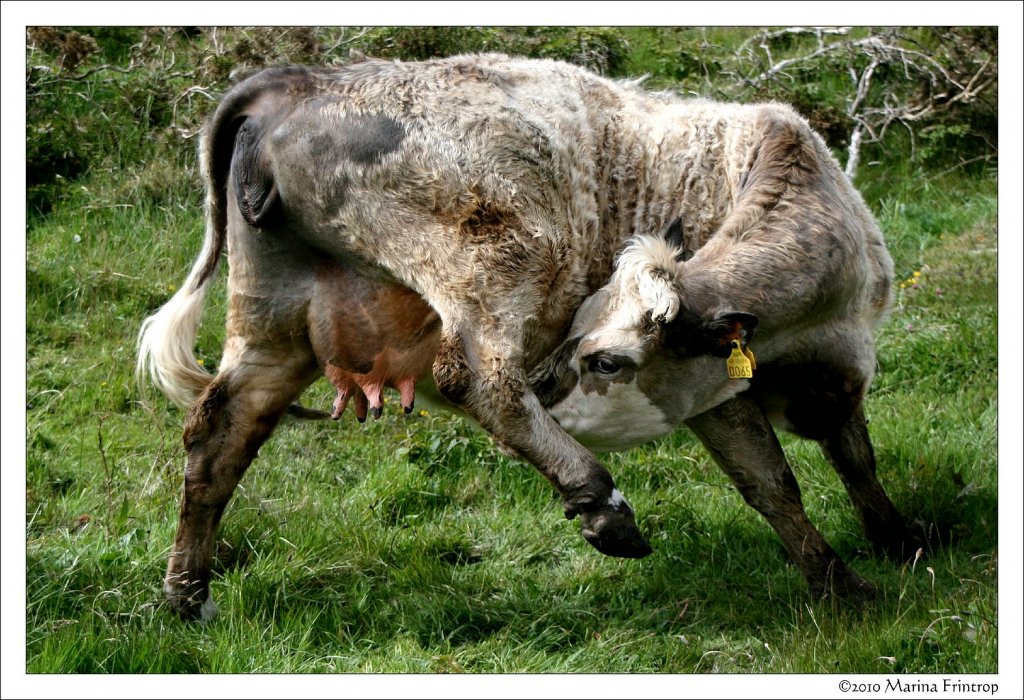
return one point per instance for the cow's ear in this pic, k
(674, 233)
(693, 334)
(674, 237)
(724, 328)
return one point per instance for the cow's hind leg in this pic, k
(742, 442)
(849, 451)
(224, 430)
(823, 401)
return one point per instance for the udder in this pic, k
(369, 334)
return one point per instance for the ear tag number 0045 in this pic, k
(741, 363)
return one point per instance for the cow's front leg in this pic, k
(491, 386)
(742, 442)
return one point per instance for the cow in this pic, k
(500, 192)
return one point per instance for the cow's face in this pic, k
(638, 361)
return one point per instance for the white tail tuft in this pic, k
(165, 348)
(167, 338)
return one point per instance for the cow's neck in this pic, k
(669, 159)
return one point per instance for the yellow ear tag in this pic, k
(740, 365)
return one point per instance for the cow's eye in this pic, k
(602, 364)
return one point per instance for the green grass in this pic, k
(411, 545)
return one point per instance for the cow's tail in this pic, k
(166, 339)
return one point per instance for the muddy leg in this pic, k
(742, 442)
(223, 432)
(492, 388)
(850, 453)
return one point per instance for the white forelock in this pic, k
(644, 280)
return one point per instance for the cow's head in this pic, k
(645, 352)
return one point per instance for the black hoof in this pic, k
(614, 532)
(903, 543)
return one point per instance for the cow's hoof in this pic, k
(904, 543)
(854, 589)
(846, 584)
(614, 532)
(190, 605)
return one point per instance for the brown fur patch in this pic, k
(487, 224)
(452, 373)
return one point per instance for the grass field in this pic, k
(411, 545)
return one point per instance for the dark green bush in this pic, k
(598, 48)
